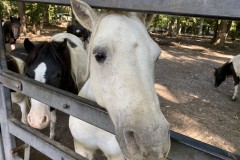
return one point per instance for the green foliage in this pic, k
(37, 11)
(8, 8)
(160, 21)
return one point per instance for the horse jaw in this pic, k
(124, 82)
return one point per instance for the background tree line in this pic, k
(177, 25)
(34, 14)
(38, 15)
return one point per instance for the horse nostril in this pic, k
(44, 119)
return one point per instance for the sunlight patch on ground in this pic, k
(185, 58)
(222, 55)
(200, 132)
(165, 93)
(193, 47)
(166, 55)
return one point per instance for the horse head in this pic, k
(49, 63)
(122, 56)
(15, 26)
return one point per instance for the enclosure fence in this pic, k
(80, 107)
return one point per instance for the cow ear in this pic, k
(85, 15)
(28, 45)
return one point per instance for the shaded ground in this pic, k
(184, 81)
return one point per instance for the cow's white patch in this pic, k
(40, 73)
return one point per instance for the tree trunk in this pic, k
(170, 26)
(216, 35)
(34, 29)
(178, 32)
(223, 33)
(46, 15)
(21, 14)
(200, 31)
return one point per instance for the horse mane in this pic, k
(226, 69)
(61, 54)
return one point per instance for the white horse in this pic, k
(121, 64)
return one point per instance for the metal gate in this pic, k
(81, 108)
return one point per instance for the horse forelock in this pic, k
(41, 50)
(78, 57)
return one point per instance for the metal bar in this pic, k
(5, 107)
(199, 8)
(27, 152)
(8, 140)
(216, 152)
(59, 99)
(204, 147)
(41, 142)
(1, 147)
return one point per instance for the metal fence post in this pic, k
(1, 147)
(8, 141)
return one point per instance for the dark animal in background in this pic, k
(230, 68)
(79, 31)
(11, 30)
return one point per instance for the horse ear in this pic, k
(19, 19)
(146, 18)
(62, 45)
(28, 45)
(11, 18)
(65, 42)
(85, 15)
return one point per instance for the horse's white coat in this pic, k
(124, 84)
(40, 72)
(236, 65)
(94, 138)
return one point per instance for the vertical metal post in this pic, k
(1, 147)
(8, 140)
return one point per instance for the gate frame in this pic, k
(80, 107)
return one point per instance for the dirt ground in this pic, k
(189, 100)
(184, 82)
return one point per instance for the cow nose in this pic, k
(38, 122)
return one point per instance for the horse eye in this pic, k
(100, 57)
